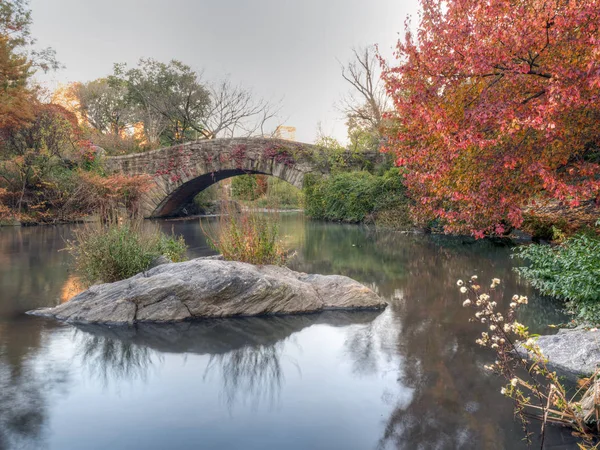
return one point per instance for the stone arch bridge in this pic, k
(182, 171)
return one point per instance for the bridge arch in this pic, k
(180, 172)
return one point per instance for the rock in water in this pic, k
(571, 352)
(207, 287)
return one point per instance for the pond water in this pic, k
(410, 377)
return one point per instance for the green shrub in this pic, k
(115, 252)
(245, 187)
(570, 271)
(248, 236)
(281, 194)
(206, 197)
(356, 197)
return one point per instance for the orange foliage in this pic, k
(4, 211)
(65, 96)
(106, 195)
(15, 99)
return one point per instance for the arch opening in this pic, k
(181, 201)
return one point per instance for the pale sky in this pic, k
(284, 50)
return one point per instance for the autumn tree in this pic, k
(19, 59)
(15, 26)
(31, 152)
(15, 97)
(497, 105)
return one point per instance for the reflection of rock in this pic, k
(244, 353)
(572, 352)
(212, 288)
(215, 336)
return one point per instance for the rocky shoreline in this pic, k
(572, 353)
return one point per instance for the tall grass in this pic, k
(116, 251)
(247, 236)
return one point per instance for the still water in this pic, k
(410, 377)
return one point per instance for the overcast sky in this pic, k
(282, 49)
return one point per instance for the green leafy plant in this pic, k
(116, 251)
(569, 271)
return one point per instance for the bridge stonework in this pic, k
(181, 171)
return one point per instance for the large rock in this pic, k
(572, 352)
(212, 288)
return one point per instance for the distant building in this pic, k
(287, 133)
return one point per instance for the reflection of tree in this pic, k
(253, 373)
(25, 384)
(425, 333)
(245, 351)
(114, 359)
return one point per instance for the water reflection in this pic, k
(113, 360)
(399, 379)
(249, 374)
(32, 267)
(25, 382)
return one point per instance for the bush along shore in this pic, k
(568, 270)
(356, 197)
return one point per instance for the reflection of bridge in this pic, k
(180, 172)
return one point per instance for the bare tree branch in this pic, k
(235, 111)
(365, 104)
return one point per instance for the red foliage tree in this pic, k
(497, 105)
